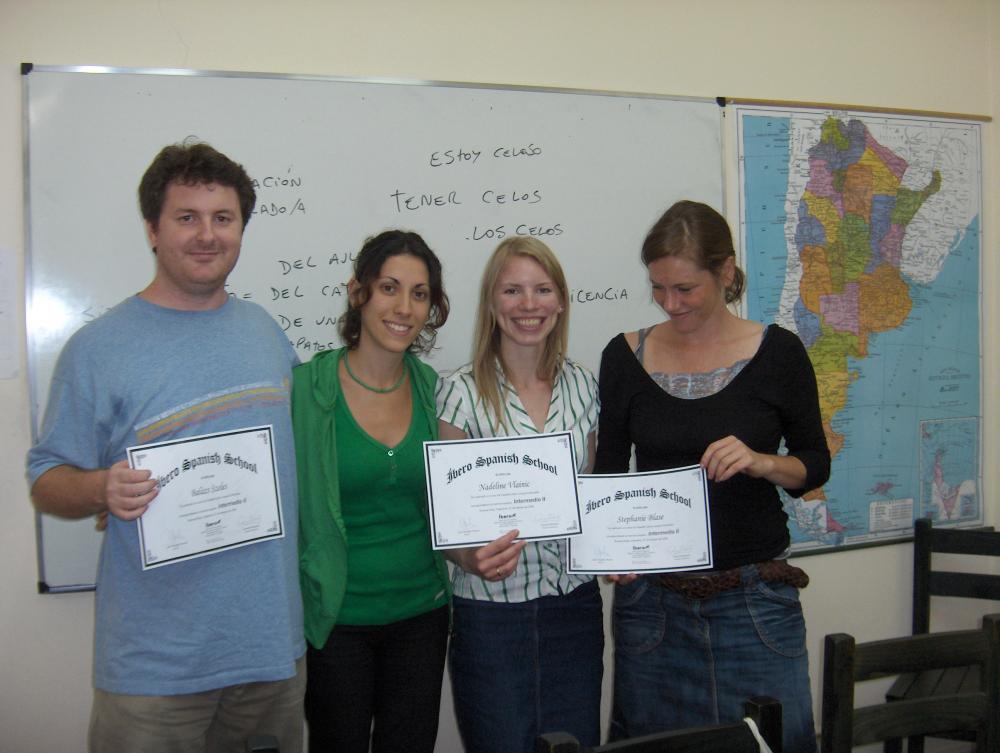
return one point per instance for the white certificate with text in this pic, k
(479, 489)
(643, 522)
(216, 492)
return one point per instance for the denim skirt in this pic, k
(682, 662)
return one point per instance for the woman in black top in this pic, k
(708, 387)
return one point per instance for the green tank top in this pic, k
(391, 573)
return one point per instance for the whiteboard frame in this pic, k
(28, 68)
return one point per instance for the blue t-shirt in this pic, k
(142, 373)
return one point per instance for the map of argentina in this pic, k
(861, 234)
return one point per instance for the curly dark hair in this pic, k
(192, 163)
(367, 268)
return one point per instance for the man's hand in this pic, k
(128, 492)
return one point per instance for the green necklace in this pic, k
(379, 390)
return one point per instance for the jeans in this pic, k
(683, 662)
(521, 669)
(377, 684)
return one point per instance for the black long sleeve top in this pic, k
(773, 397)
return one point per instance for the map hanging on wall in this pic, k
(862, 234)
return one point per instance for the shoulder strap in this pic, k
(642, 343)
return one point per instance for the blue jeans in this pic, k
(518, 670)
(683, 662)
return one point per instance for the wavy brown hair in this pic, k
(697, 232)
(368, 267)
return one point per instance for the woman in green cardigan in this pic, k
(375, 594)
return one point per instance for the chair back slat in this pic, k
(916, 653)
(966, 541)
(923, 716)
(967, 585)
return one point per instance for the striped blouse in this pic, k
(541, 570)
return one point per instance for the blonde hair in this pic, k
(486, 340)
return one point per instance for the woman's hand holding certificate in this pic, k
(494, 561)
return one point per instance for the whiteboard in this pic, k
(337, 160)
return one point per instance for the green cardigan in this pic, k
(322, 535)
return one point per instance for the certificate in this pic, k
(643, 522)
(478, 489)
(216, 492)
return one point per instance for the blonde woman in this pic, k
(527, 638)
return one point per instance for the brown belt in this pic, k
(694, 586)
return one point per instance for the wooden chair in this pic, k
(724, 738)
(845, 663)
(928, 582)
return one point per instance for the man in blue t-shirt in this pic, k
(202, 653)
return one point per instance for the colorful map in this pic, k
(861, 233)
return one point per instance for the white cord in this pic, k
(764, 747)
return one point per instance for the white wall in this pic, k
(941, 56)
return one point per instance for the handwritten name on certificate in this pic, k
(217, 492)
(478, 489)
(643, 522)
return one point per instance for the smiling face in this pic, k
(197, 241)
(688, 294)
(526, 303)
(398, 305)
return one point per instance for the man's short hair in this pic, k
(192, 164)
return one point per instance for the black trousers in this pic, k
(377, 685)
